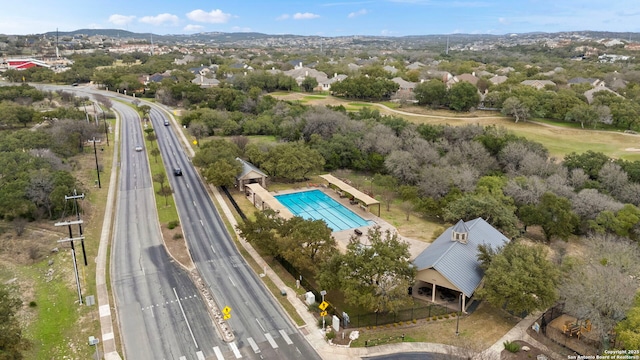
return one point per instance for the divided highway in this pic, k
(262, 330)
(160, 312)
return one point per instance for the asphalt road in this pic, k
(261, 328)
(160, 311)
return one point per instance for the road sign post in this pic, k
(323, 307)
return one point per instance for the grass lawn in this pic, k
(482, 328)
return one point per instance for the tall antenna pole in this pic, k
(447, 51)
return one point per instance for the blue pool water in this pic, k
(316, 205)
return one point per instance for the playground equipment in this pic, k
(571, 328)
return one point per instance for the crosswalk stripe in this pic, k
(200, 355)
(218, 353)
(254, 346)
(271, 341)
(235, 350)
(286, 337)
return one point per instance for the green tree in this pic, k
(582, 113)
(165, 191)
(292, 161)
(306, 243)
(374, 276)
(590, 161)
(432, 93)
(263, 231)
(223, 172)
(553, 213)
(12, 344)
(520, 278)
(309, 83)
(463, 96)
(514, 107)
(628, 330)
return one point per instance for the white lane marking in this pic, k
(201, 223)
(185, 317)
(254, 346)
(261, 327)
(232, 283)
(271, 341)
(194, 203)
(218, 353)
(286, 337)
(187, 185)
(183, 358)
(214, 250)
(200, 355)
(235, 350)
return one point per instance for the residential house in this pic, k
(591, 81)
(205, 82)
(390, 69)
(449, 268)
(498, 79)
(326, 85)
(470, 78)
(589, 93)
(299, 73)
(415, 66)
(538, 84)
(405, 86)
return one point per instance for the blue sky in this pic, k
(325, 18)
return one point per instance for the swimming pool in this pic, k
(316, 205)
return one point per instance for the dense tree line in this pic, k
(35, 171)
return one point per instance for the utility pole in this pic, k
(95, 152)
(106, 128)
(72, 239)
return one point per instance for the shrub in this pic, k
(512, 347)
(395, 324)
(177, 236)
(434, 318)
(428, 319)
(331, 335)
(414, 321)
(32, 304)
(172, 224)
(400, 323)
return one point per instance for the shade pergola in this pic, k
(359, 196)
(262, 199)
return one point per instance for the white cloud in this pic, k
(193, 28)
(304, 16)
(118, 19)
(214, 16)
(357, 13)
(241, 29)
(160, 19)
(283, 17)
(503, 21)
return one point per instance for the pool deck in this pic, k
(343, 237)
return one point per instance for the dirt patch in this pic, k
(176, 245)
(532, 353)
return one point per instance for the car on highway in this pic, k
(138, 148)
(166, 123)
(177, 171)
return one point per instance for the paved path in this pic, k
(108, 340)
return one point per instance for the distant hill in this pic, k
(222, 37)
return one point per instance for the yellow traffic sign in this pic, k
(323, 313)
(323, 305)
(226, 317)
(226, 310)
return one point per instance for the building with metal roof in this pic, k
(250, 175)
(451, 261)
